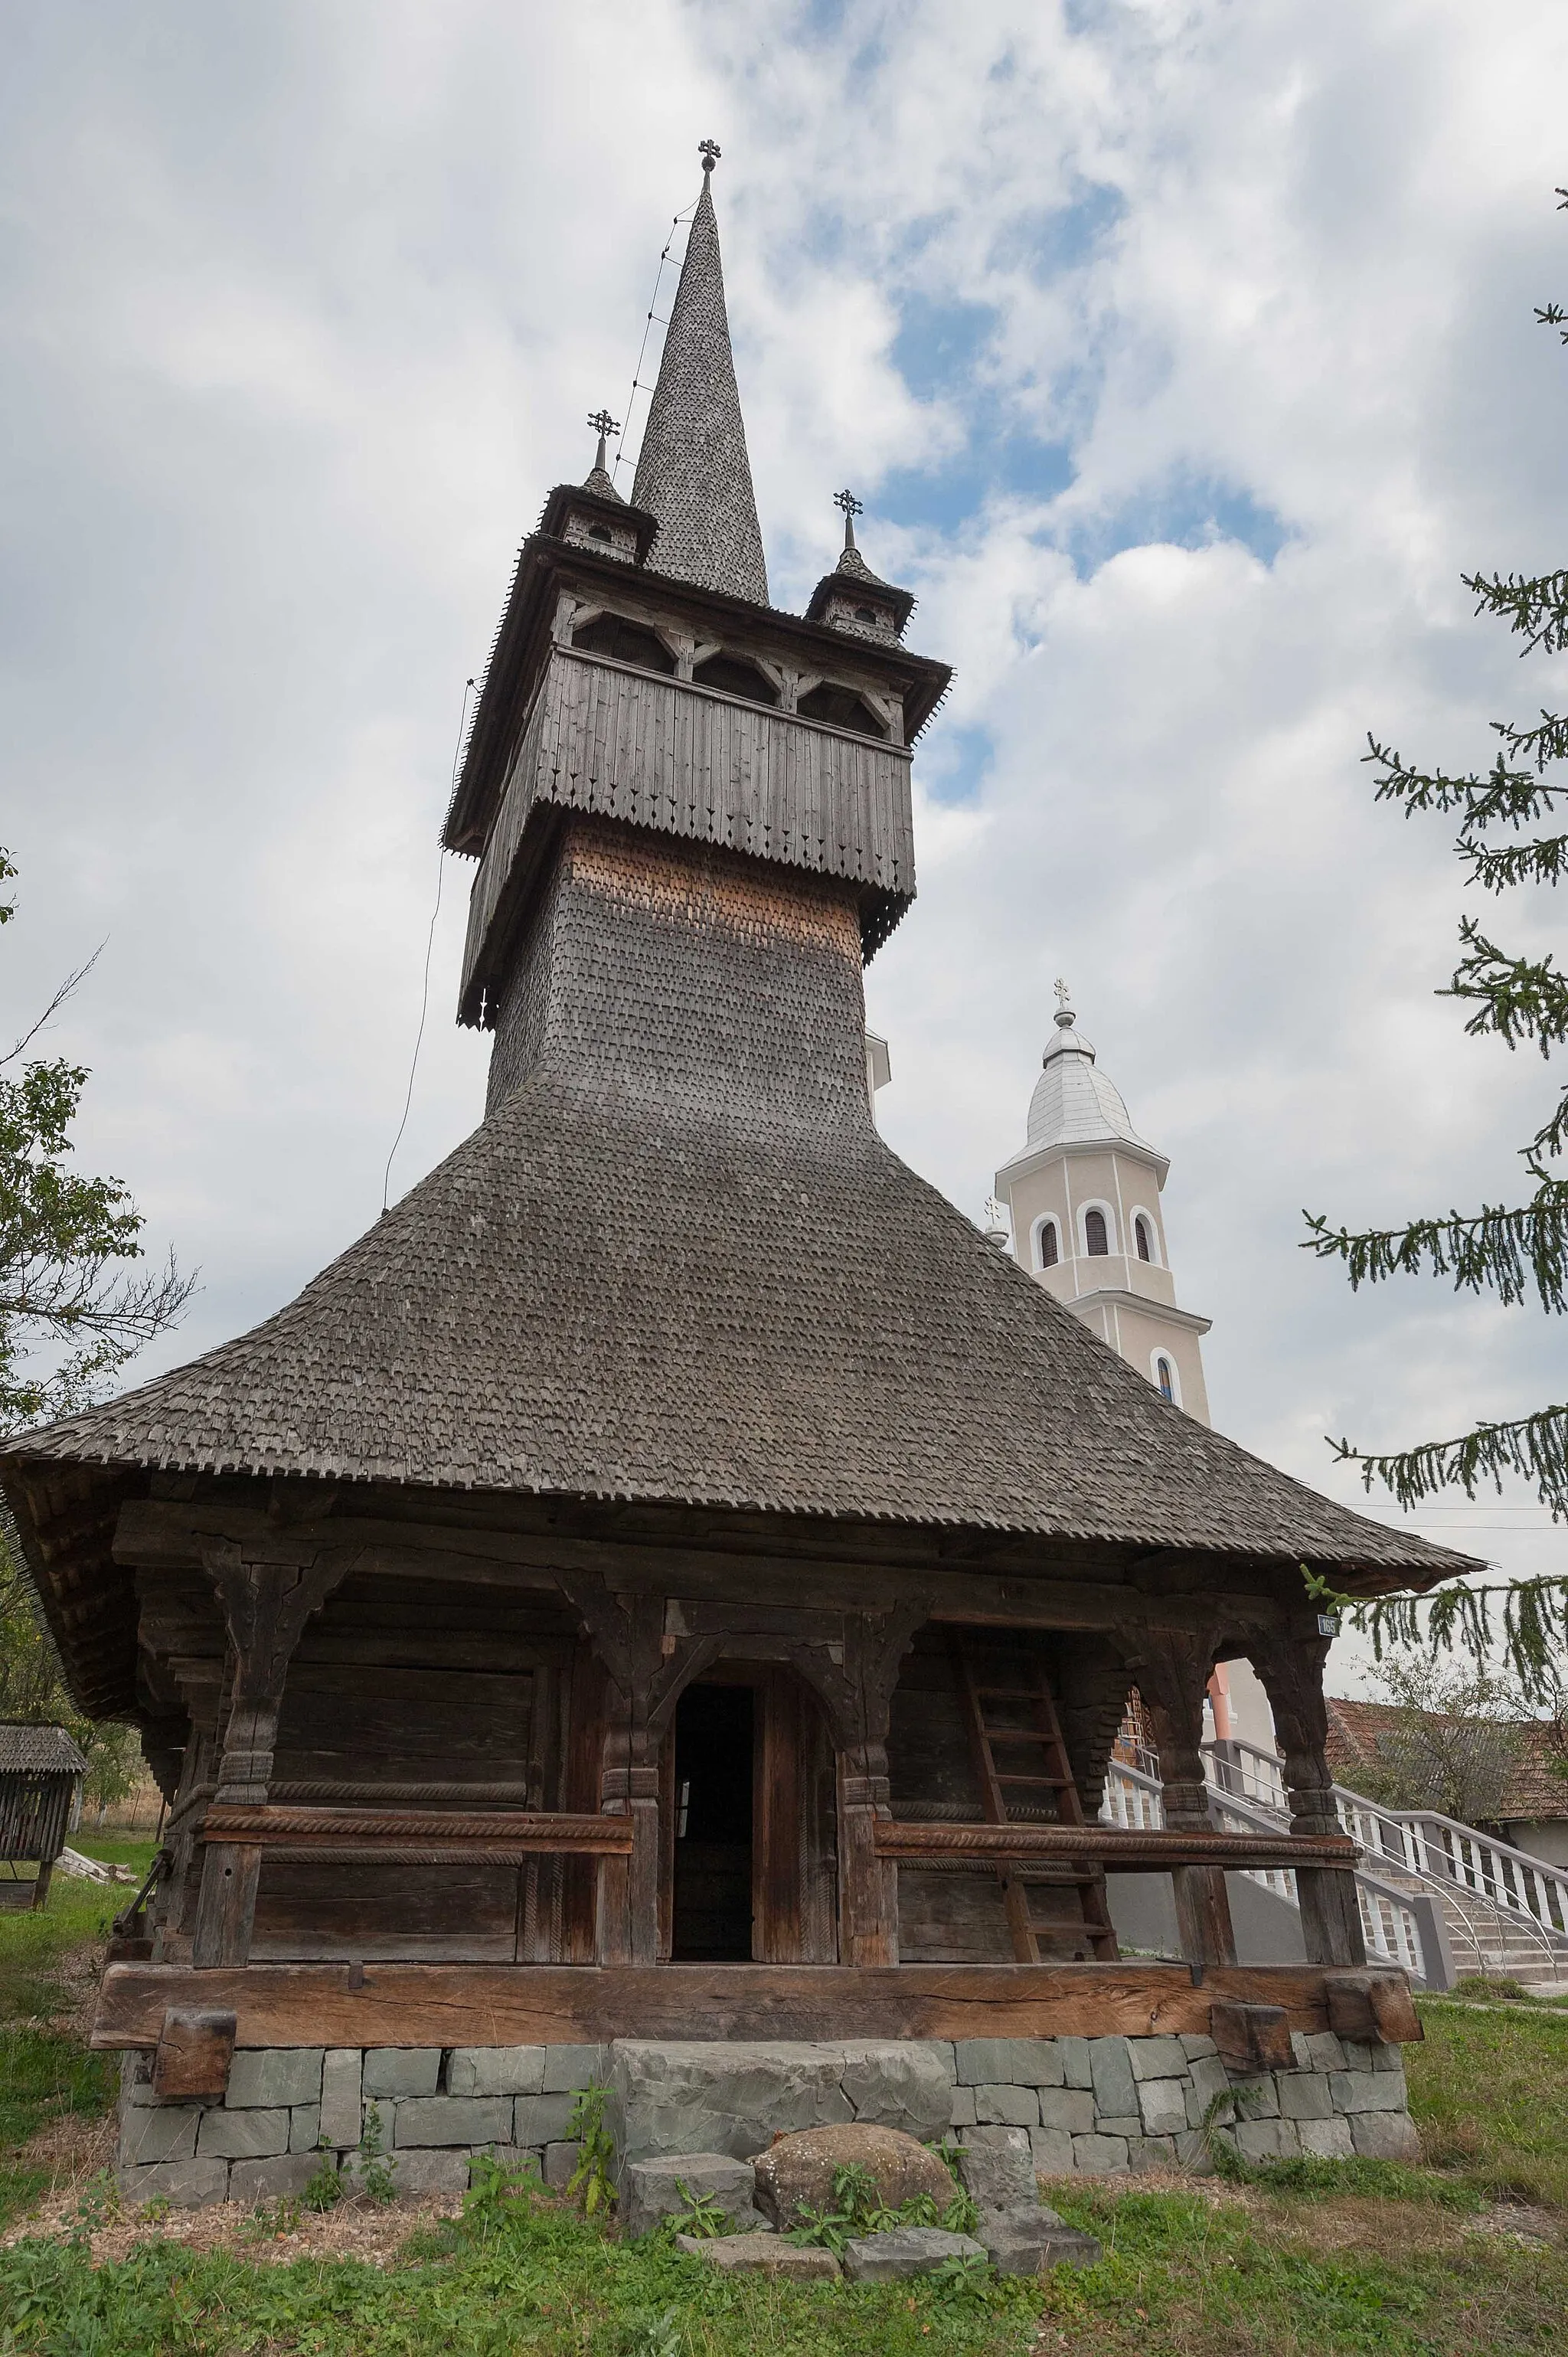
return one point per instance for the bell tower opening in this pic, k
(714, 1810)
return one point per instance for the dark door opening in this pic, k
(714, 1737)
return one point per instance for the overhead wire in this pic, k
(429, 947)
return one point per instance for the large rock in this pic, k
(765, 2255)
(733, 2096)
(796, 2171)
(900, 2084)
(668, 2186)
(906, 2251)
(1023, 2242)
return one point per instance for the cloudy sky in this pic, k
(1184, 356)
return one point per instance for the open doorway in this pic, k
(714, 1815)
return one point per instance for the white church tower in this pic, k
(1083, 1198)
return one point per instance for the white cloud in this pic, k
(304, 312)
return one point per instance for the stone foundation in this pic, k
(1096, 2105)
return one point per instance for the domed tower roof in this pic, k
(1074, 1102)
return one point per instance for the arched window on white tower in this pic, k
(1096, 1237)
(1047, 1244)
(1144, 1236)
(1164, 1370)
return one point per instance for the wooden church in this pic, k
(673, 1575)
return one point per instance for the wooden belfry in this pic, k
(673, 1575)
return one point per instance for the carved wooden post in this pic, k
(629, 1638)
(1292, 1671)
(1173, 1670)
(874, 1645)
(265, 1607)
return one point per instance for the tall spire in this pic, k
(693, 471)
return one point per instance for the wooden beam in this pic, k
(158, 1533)
(1122, 1849)
(548, 2004)
(500, 1835)
(1254, 2038)
(195, 2048)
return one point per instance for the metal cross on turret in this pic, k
(851, 508)
(603, 425)
(710, 151)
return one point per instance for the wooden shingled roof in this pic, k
(627, 1305)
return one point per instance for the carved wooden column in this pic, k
(874, 1645)
(265, 1607)
(1173, 1668)
(1290, 1668)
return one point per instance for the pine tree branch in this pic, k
(1532, 1639)
(1515, 998)
(1533, 1447)
(1535, 605)
(1498, 868)
(1493, 1250)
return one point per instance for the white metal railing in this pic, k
(1247, 1793)
(1477, 1871)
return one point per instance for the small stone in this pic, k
(282, 2178)
(1257, 2099)
(260, 2078)
(305, 2127)
(653, 2190)
(403, 2070)
(1115, 2124)
(796, 2171)
(906, 2251)
(1325, 2050)
(1076, 2068)
(1267, 2139)
(415, 2173)
(1147, 2152)
(1195, 2048)
(1016, 2106)
(1367, 2091)
(341, 2098)
(1156, 2058)
(183, 2184)
(1388, 2057)
(1162, 2104)
(241, 2136)
(496, 2070)
(1209, 2078)
(136, 2077)
(1028, 2242)
(764, 2255)
(962, 2112)
(1071, 2108)
(1385, 2135)
(1192, 2154)
(1111, 2070)
(569, 2069)
(1099, 2155)
(1330, 2139)
(543, 2119)
(561, 2165)
(149, 2134)
(1304, 2096)
(1053, 2151)
(997, 2166)
(1016, 2061)
(424, 2120)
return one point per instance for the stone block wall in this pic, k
(1094, 2104)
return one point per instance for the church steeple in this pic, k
(693, 471)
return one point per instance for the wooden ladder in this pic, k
(1040, 1741)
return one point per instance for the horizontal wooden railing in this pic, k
(419, 1836)
(1119, 1850)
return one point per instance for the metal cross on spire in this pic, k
(710, 151)
(851, 508)
(1065, 1016)
(603, 424)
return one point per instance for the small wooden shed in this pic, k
(40, 1778)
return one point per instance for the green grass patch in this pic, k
(1488, 2090)
(43, 2074)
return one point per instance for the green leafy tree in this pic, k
(1452, 1736)
(1508, 833)
(73, 1309)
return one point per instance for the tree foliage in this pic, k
(1508, 833)
(74, 1306)
(1452, 1734)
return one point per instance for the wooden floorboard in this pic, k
(546, 2004)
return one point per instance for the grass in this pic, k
(46, 2072)
(1313, 2259)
